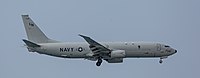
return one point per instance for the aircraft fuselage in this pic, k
(81, 49)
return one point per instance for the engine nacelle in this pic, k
(115, 60)
(118, 54)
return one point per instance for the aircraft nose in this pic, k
(175, 51)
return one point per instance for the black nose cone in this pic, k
(175, 51)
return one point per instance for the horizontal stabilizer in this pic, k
(30, 44)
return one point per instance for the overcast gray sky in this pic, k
(174, 22)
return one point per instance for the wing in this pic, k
(96, 47)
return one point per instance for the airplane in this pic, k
(112, 52)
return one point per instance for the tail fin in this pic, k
(33, 32)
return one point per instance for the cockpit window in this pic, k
(167, 46)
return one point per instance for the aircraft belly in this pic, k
(137, 54)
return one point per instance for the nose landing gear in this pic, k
(160, 61)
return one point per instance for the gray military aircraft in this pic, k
(112, 52)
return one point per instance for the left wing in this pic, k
(101, 52)
(96, 47)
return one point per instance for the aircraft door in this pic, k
(158, 46)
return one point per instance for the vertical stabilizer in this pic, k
(33, 32)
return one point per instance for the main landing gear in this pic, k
(99, 62)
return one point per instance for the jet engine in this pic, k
(118, 54)
(115, 60)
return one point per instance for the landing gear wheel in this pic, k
(99, 62)
(160, 61)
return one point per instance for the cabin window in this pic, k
(138, 46)
(166, 46)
